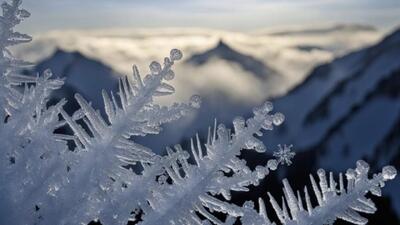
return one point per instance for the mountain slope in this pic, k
(225, 52)
(331, 90)
(348, 110)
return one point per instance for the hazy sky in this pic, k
(226, 14)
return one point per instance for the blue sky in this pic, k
(225, 14)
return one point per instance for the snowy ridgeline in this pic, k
(94, 169)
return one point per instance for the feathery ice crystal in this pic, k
(43, 181)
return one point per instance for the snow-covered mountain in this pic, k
(82, 75)
(347, 110)
(227, 53)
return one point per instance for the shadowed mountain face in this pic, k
(225, 52)
(331, 90)
(348, 110)
(82, 75)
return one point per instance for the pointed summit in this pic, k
(223, 46)
(224, 52)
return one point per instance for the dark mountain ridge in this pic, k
(225, 52)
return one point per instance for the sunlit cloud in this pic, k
(121, 48)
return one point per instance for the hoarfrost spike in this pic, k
(108, 177)
(332, 206)
(198, 184)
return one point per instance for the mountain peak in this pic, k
(69, 55)
(224, 52)
(223, 46)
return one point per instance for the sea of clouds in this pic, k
(291, 52)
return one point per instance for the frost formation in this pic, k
(109, 177)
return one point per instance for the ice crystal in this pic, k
(99, 172)
(333, 202)
(285, 154)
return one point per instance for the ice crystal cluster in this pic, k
(104, 175)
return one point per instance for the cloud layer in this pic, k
(292, 54)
